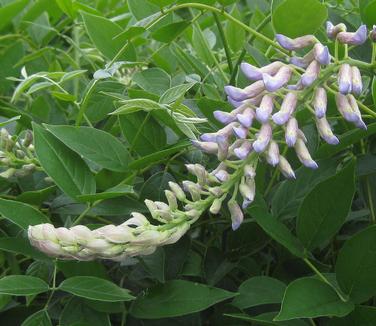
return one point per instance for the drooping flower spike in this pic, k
(263, 119)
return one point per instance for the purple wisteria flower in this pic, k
(356, 38)
(296, 43)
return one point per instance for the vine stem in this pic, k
(201, 6)
(265, 21)
(224, 41)
(53, 288)
(323, 278)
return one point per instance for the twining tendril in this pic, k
(263, 112)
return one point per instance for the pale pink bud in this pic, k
(354, 105)
(285, 168)
(287, 108)
(115, 234)
(81, 233)
(171, 198)
(215, 207)
(249, 171)
(223, 145)
(333, 30)
(179, 193)
(236, 214)
(193, 189)
(150, 237)
(224, 117)
(247, 190)
(177, 233)
(246, 118)
(98, 245)
(265, 109)
(296, 43)
(65, 236)
(303, 62)
(222, 175)
(50, 248)
(280, 79)
(240, 132)
(254, 73)
(207, 147)
(345, 108)
(225, 131)
(326, 132)
(137, 219)
(311, 74)
(291, 134)
(320, 101)
(243, 150)
(321, 54)
(356, 81)
(49, 232)
(239, 94)
(303, 154)
(344, 79)
(372, 34)
(263, 138)
(356, 38)
(272, 153)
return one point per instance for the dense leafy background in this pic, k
(306, 253)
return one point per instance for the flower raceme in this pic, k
(263, 119)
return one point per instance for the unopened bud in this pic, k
(236, 213)
(296, 43)
(179, 193)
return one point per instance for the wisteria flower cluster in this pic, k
(263, 111)
(17, 155)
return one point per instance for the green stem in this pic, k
(323, 278)
(82, 215)
(53, 288)
(265, 21)
(373, 57)
(224, 42)
(83, 104)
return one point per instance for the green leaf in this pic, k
(21, 214)
(10, 11)
(362, 315)
(94, 145)
(259, 290)
(309, 297)
(235, 36)
(295, 18)
(95, 288)
(36, 197)
(325, 208)
(170, 32)
(175, 93)
(77, 313)
(117, 191)
(374, 88)
(368, 12)
(134, 105)
(153, 188)
(40, 318)
(267, 319)
(65, 167)
(153, 80)
(355, 263)
(345, 140)
(177, 298)
(21, 246)
(158, 156)
(277, 230)
(22, 285)
(144, 134)
(202, 47)
(142, 8)
(102, 32)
